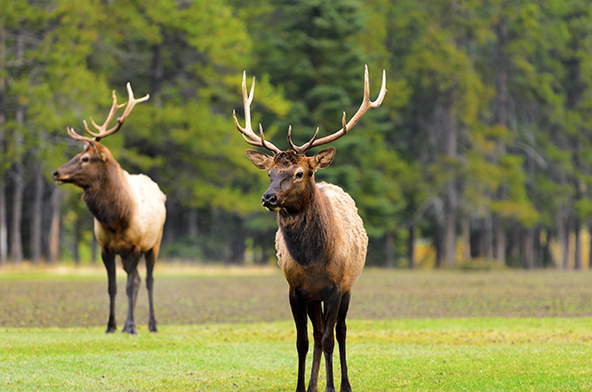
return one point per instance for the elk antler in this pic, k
(364, 107)
(103, 131)
(247, 131)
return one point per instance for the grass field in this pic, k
(231, 330)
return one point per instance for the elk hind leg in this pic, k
(332, 304)
(130, 264)
(341, 332)
(150, 262)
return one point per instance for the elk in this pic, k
(129, 210)
(321, 242)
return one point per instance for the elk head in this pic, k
(291, 172)
(88, 167)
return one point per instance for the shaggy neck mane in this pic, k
(109, 200)
(307, 233)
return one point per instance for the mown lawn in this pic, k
(460, 354)
(231, 330)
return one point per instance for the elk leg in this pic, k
(109, 261)
(332, 303)
(341, 332)
(298, 306)
(130, 265)
(150, 261)
(315, 312)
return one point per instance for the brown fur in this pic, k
(332, 232)
(321, 246)
(129, 217)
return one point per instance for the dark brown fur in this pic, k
(321, 245)
(108, 201)
(129, 217)
(307, 231)
(321, 242)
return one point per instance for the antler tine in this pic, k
(301, 149)
(74, 135)
(114, 108)
(131, 102)
(292, 145)
(366, 105)
(247, 131)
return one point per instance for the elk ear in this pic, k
(100, 152)
(322, 159)
(260, 160)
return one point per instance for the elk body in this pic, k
(321, 242)
(129, 211)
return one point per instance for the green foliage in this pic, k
(488, 110)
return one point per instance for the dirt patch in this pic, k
(197, 299)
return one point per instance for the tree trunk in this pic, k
(486, 239)
(93, 248)
(76, 242)
(564, 239)
(450, 228)
(501, 118)
(37, 213)
(548, 258)
(237, 242)
(192, 223)
(411, 247)
(16, 248)
(578, 244)
(157, 75)
(590, 252)
(438, 244)
(537, 248)
(3, 223)
(500, 241)
(18, 169)
(528, 249)
(54, 232)
(3, 217)
(466, 238)
(389, 249)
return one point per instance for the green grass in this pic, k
(459, 354)
(231, 330)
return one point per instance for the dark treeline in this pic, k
(480, 153)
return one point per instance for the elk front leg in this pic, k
(315, 312)
(150, 261)
(341, 332)
(109, 261)
(298, 305)
(332, 304)
(130, 265)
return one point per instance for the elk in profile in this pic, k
(129, 210)
(321, 242)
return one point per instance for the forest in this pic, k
(480, 155)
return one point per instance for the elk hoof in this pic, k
(130, 328)
(111, 329)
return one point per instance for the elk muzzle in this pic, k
(58, 177)
(270, 201)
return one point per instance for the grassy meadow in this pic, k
(231, 330)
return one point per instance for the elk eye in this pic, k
(85, 159)
(299, 175)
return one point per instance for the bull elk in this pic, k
(321, 242)
(129, 210)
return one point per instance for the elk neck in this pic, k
(109, 199)
(307, 233)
